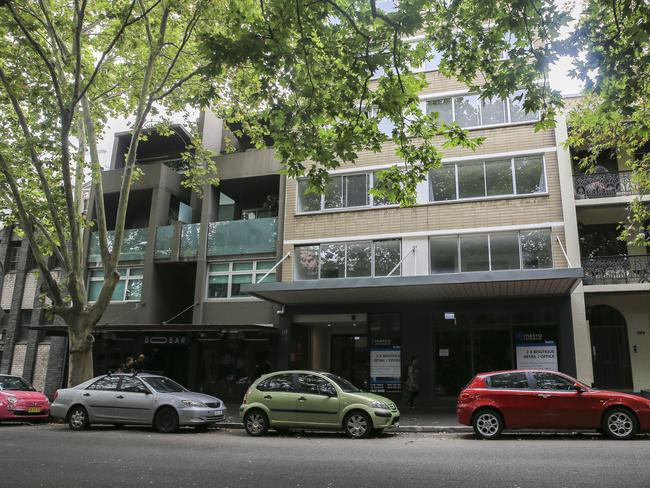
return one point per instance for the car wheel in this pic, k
(256, 423)
(357, 425)
(78, 418)
(166, 420)
(620, 423)
(487, 424)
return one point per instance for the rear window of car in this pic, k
(278, 382)
(106, 383)
(510, 381)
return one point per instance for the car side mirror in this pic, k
(579, 388)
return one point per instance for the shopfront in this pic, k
(217, 362)
(371, 340)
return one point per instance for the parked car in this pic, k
(517, 399)
(146, 399)
(19, 400)
(314, 400)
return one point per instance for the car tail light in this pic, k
(465, 397)
(56, 395)
(245, 397)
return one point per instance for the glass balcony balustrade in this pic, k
(235, 237)
(133, 245)
(190, 240)
(164, 241)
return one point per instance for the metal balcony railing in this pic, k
(603, 185)
(613, 270)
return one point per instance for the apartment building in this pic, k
(485, 272)
(616, 282)
(477, 276)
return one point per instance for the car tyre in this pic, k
(357, 425)
(620, 424)
(166, 420)
(78, 418)
(256, 423)
(487, 424)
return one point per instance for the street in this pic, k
(53, 456)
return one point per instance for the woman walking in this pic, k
(412, 385)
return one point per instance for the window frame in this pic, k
(485, 162)
(459, 257)
(428, 98)
(370, 199)
(345, 260)
(534, 386)
(127, 278)
(254, 272)
(526, 375)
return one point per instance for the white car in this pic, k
(132, 399)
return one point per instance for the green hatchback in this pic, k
(314, 400)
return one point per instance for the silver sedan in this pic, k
(135, 399)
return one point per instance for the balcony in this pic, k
(603, 185)
(133, 246)
(234, 237)
(616, 270)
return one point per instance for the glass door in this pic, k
(349, 358)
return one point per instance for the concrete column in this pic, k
(581, 336)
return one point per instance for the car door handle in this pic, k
(86, 394)
(544, 395)
(302, 399)
(119, 396)
(267, 397)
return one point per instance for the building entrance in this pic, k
(349, 358)
(609, 348)
(460, 354)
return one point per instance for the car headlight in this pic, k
(377, 404)
(192, 403)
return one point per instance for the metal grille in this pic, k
(608, 270)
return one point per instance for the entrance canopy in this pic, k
(456, 286)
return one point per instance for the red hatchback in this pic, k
(539, 399)
(20, 401)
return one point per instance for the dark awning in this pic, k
(61, 330)
(456, 286)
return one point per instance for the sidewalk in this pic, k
(423, 419)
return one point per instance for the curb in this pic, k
(436, 429)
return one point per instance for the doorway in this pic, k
(609, 348)
(460, 354)
(349, 358)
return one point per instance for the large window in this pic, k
(501, 177)
(495, 251)
(470, 111)
(344, 191)
(128, 288)
(226, 279)
(348, 259)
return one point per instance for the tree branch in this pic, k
(36, 162)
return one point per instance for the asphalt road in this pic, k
(52, 456)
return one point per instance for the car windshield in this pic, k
(14, 383)
(344, 384)
(163, 385)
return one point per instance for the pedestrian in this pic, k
(140, 365)
(412, 384)
(128, 366)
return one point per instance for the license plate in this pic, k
(33, 410)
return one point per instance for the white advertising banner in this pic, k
(537, 356)
(385, 363)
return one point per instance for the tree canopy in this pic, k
(611, 46)
(304, 73)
